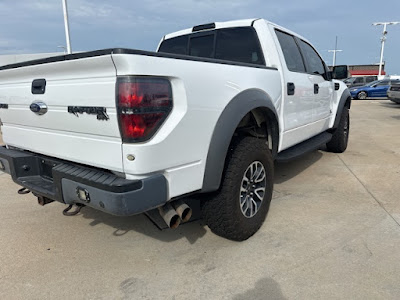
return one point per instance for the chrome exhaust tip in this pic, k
(170, 216)
(183, 210)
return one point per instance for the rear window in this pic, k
(176, 45)
(395, 87)
(202, 46)
(239, 44)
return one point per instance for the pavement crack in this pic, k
(369, 192)
(369, 250)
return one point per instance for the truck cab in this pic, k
(309, 95)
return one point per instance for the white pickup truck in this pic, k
(128, 131)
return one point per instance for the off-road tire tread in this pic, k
(338, 143)
(219, 209)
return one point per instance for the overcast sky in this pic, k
(34, 26)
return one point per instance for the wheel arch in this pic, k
(345, 101)
(252, 102)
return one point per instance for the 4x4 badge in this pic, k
(39, 108)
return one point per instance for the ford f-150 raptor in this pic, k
(128, 131)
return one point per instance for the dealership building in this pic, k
(364, 70)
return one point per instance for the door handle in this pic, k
(290, 88)
(38, 86)
(316, 88)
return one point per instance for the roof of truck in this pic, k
(234, 23)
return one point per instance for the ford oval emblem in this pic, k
(39, 108)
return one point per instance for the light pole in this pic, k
(334, 53)
(383, 39)
(65, 8)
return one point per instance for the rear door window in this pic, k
(314, 63)
(239, 44)
(370, 79)
(291, 52)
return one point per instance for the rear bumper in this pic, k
(61, 181)
(394, 96)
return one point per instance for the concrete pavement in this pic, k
(332, 233)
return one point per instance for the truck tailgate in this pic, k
(72, 127)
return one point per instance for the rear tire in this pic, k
(340, 138)
(239, 208)
(362, 95)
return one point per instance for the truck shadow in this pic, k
(265, 288)
(192, 231)
(390, 104)
(288, 170)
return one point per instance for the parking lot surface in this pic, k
(333, 232)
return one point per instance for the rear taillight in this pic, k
(143, 105)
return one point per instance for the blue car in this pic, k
(377, 88)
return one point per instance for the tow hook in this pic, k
(23, 191)
(67, 212)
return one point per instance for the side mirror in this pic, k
(340, 72)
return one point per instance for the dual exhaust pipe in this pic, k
(175, 213)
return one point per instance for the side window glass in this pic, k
(202, 46)
(291, 52)
(370, 79)
(239, 44)
(359, 80)
(382, 83)
(313, 61)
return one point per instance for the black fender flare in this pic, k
(346, 97)
(225, 127)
